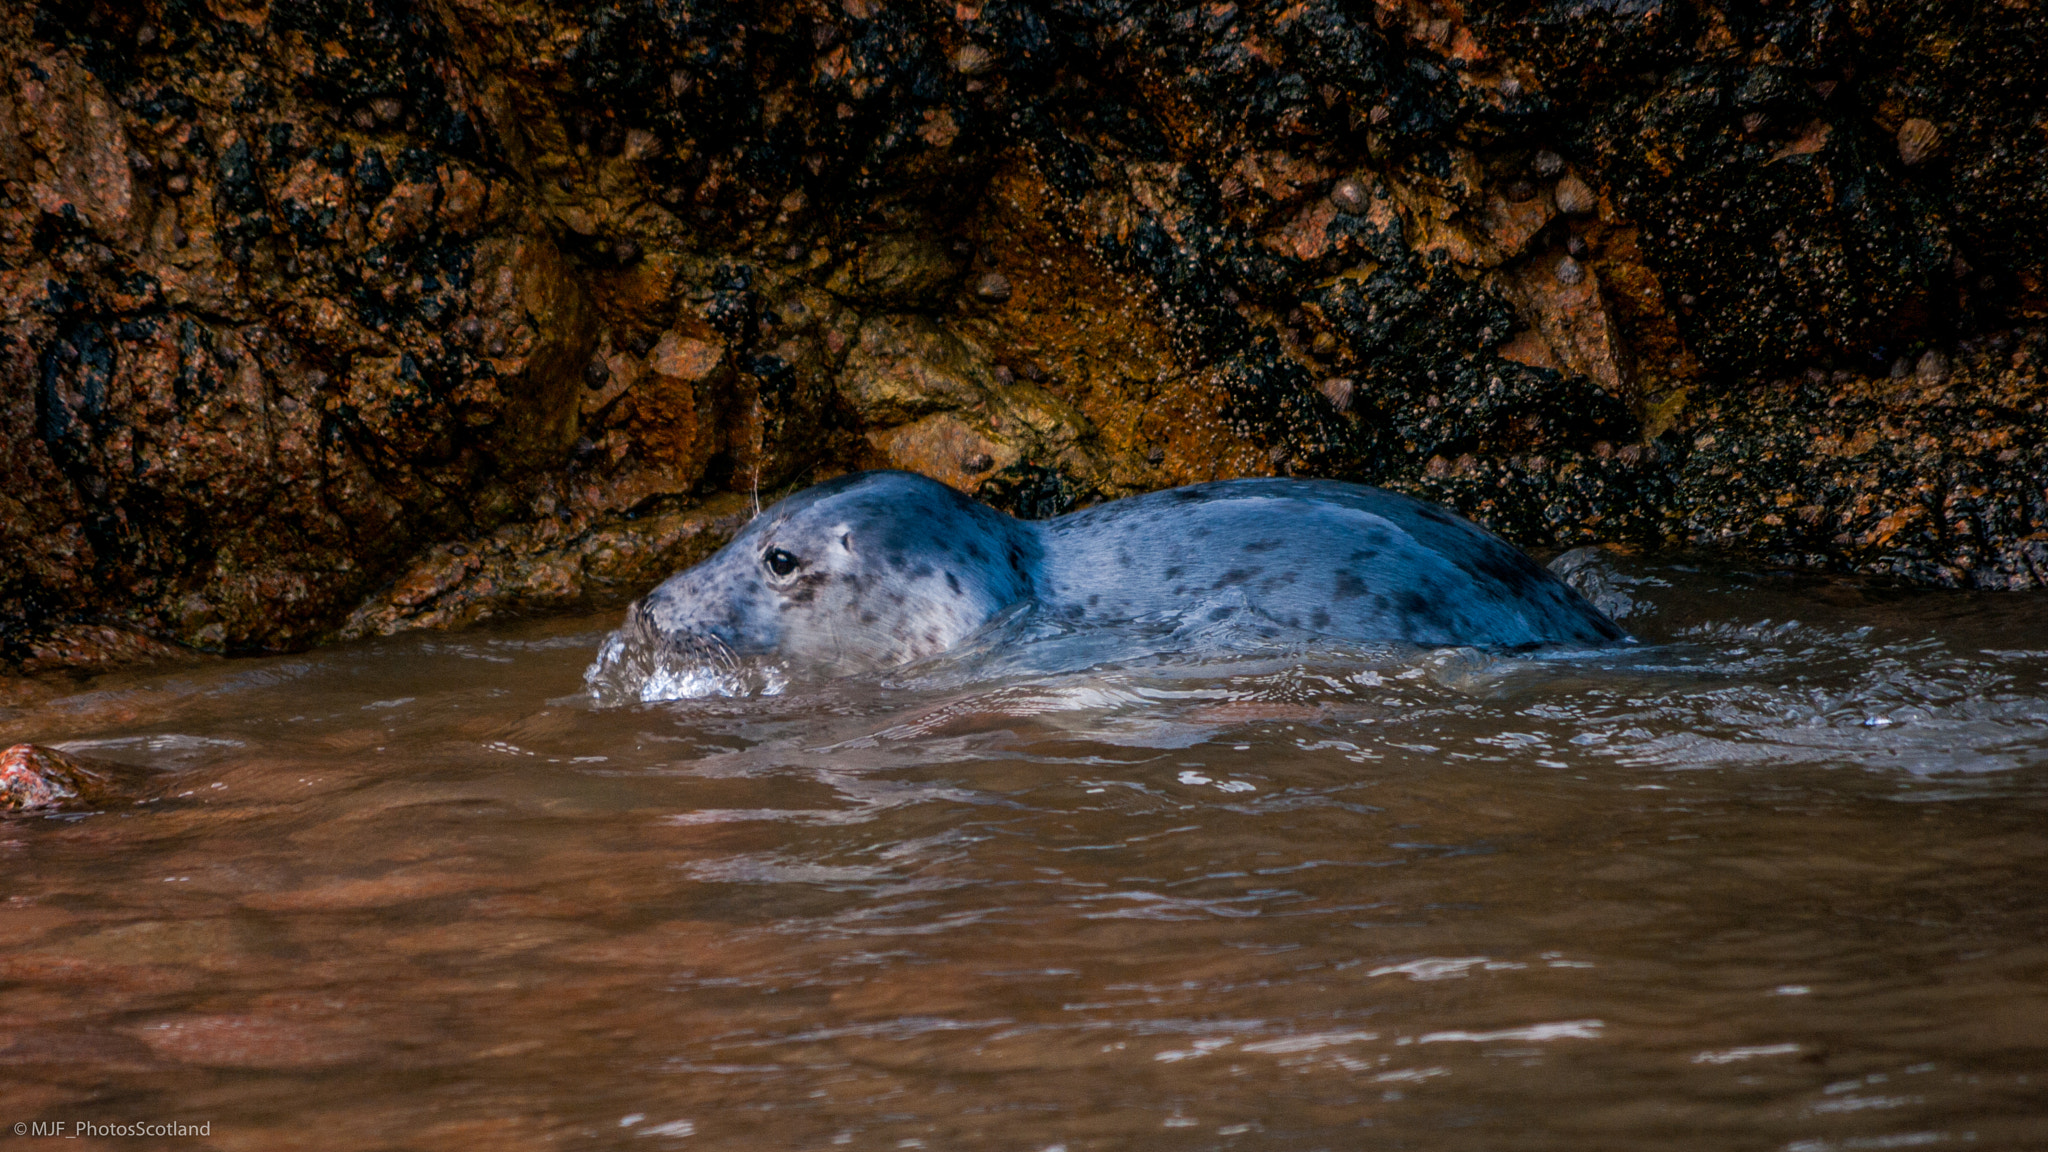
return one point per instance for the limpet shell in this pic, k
(1573, 197)
(1918, 140)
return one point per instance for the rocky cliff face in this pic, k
(343, 316)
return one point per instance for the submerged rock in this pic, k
(36, 778)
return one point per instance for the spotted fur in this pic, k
(892, 566)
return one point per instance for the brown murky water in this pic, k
(1755, 885)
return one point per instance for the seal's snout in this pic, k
(656, 626)
(701, 647)
(649, 658)
(683, 619)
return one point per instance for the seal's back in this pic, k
(1322, 555)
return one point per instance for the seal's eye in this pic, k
(780, 562)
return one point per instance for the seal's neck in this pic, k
(1078, 559)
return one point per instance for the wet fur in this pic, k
(894, 566)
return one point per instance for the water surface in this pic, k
(1775, 879)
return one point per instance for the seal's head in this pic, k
(866, 571)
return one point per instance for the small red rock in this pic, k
(33, 777)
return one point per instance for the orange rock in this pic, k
(625, 370)
(907, 367)
(615, 559)
(405, 212)
(439, 571)
(539, 332)
(682, 358)
(1510, 225)
(1891, 525)
(945, 448)
(464, 201)
(1572, 320)
(318, 195)
(1281, 176)
(671, 414)
(73, 127)
(34, 777)
(939, 129)
(1529, 347)
(1307, 235)
(1465, 47)
(98, 647)
(903, 269)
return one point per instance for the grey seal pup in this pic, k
(875, 569)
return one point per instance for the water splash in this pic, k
(1592, 573)
(639, 665)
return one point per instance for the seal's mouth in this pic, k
(640, 663)
(701, 646)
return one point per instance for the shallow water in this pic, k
(1755, 884)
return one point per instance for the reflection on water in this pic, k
(1774, 879)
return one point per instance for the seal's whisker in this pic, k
(701, 646)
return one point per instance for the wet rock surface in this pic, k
(35, 778)
(347, 316)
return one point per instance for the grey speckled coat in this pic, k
(878, 568)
